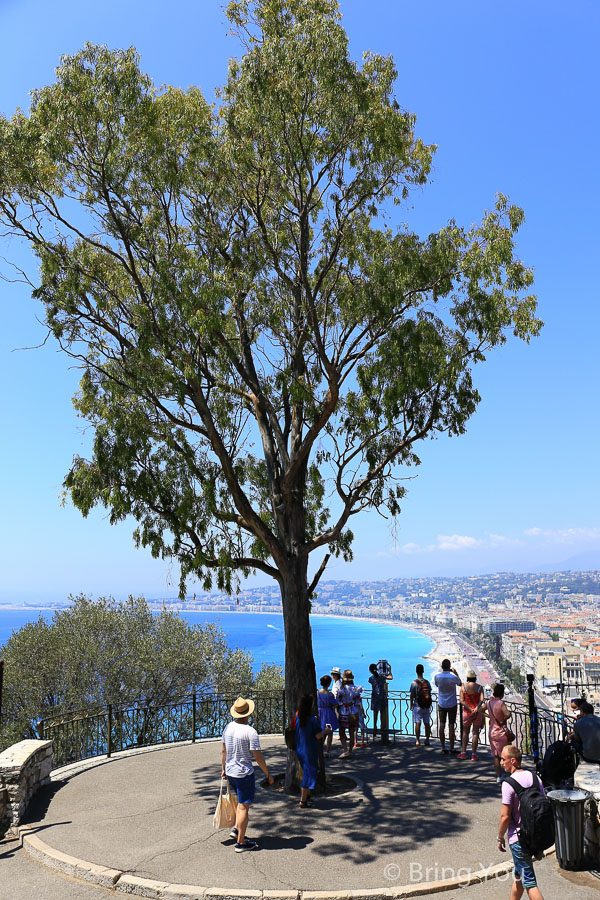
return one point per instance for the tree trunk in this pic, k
(300, 674)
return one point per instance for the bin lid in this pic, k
(568, 796)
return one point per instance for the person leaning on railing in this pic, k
(586, 730)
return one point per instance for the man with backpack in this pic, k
(528, 819)
(420, 703)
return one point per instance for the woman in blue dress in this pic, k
(308, 733)
(327, 711)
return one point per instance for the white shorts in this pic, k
(421, 714)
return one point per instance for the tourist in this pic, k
(510, 819)
(336, 674)
(308, 733)
(499, 714)
(327, 711)
(240, 746)
(379, 697)
(576, 706)
(420, 703)
(587, 734)
(348, 699)
(472, 701)
(446, 682)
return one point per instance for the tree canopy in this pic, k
(93, 653)
(261, 350)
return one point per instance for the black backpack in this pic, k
(558, 767)
(536, 831)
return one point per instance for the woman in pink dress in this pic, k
(499, 715)
(472, 703)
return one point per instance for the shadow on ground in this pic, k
(152, 815)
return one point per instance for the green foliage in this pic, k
(261, 352)
(101, 652)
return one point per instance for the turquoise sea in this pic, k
(343, 642)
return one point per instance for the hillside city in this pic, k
(546, 624)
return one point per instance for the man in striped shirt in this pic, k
(240, 748)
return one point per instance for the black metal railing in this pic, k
(102, 731)
(106, 730)
(550, 726)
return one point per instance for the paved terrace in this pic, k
(419, 816)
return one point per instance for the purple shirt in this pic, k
(510, 798)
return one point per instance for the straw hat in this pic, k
(471, 673)
(242, 708)
(336, 670)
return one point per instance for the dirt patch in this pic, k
(335, 785)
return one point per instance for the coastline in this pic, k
(444, 644)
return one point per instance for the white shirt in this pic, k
(446, 683)
(336, 686)
(240, 740)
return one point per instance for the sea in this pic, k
(337, 641)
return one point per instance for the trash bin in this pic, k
(568, 818)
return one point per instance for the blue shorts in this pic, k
(244, 787)
(523, 866)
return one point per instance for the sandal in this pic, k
(305, 805)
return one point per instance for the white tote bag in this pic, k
(224, 816)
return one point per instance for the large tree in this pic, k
(261, 353)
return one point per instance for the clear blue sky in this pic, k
(509, 93)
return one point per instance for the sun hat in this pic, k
(471, 673)
(336, 670)
(242, 708)
(348, 674)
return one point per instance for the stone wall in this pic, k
(24, 768)
(587, 778)
(4, 811)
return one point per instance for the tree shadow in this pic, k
(409, 797)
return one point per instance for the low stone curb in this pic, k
(127, 883)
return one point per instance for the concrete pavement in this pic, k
(419, 817)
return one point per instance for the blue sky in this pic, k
(508, 92)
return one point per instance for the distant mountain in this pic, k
(587, 561)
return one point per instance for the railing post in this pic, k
(533, 722)
(109, 740)
(385, 718)
(194, 718)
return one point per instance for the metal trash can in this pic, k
(568, 818)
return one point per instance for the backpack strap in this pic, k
(518, 788)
